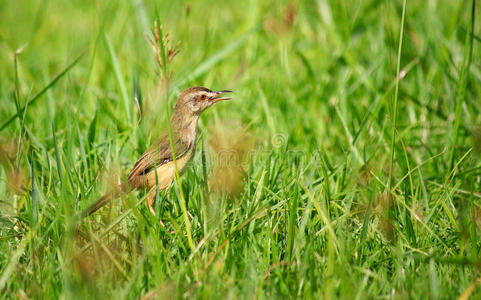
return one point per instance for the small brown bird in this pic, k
(156, 166)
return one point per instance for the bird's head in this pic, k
(196, 99)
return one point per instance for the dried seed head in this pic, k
(477, 216)
(162, 45)
(85, 268)
(230, 144)
(364, 176)
(17, 181)
(8, 151)
(290, 14)
(418, 213)
(283, 23)
(166, 291)
(382, 206)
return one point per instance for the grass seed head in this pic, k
(164, 49)
(17, 181)
(85, 268)
(8, 151)
(230, 145)
(282, 25)
(382, 206)
(364, 177)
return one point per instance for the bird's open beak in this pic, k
(215, 98)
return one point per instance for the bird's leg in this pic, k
(150, 202)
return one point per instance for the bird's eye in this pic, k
(203, 96)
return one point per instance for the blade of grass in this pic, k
(43, 91)
(120, 79)
(396, 94)
(57, 154)
(217, 57)
(462, 85)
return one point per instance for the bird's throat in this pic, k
(184, 125)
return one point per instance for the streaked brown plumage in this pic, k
(159, 157)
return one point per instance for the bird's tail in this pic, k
(102, 201)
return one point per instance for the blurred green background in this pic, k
(357, 171)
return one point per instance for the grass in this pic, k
(348, 165)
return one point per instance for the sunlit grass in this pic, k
(357, 170)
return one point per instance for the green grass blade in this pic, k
(209, 63)
(43, 91)
(120, 79)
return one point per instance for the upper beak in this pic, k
(215, 98)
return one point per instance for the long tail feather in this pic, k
(102, 201)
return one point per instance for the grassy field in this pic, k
(347, 166)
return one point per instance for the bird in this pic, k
(156, 166)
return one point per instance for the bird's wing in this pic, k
(159, 154)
